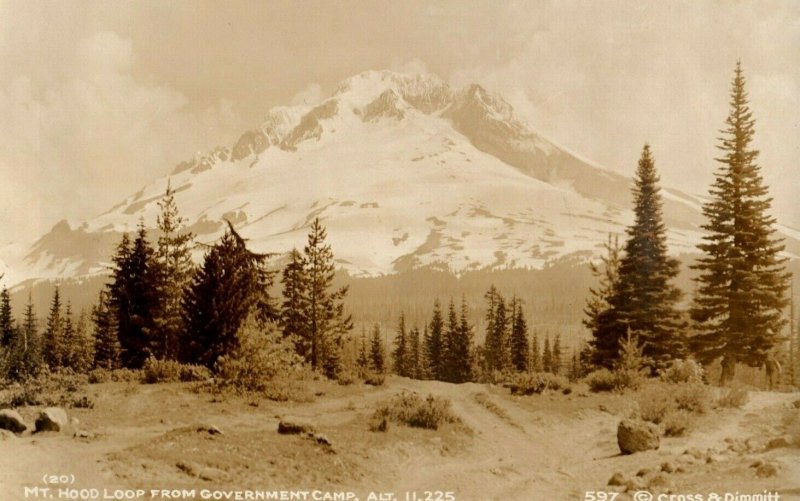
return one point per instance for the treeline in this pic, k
(445, 349)
(160, 306)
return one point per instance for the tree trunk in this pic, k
(728, 370)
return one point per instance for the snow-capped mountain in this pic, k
(404, 171)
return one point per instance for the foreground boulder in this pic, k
(52, 419)
(11, 420)
(6, 435)
(637, 436)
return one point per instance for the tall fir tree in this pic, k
(325, 317)
(644, 298)
(547, 355)
(7, 330)
(172, 269)
(434, 344)
(69, 357)
(29, 352)
(519, 338)
(536, 354)
(601, 318)
(461, 348)
(104, 320)
(492, 344)
(377, 353)
(53, 348)
(363, 355)
(740, 297)
(400, 353)
(82, 355)
(295, 304)
(556, 360)
(232, 283)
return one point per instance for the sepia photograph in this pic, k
(380, 250)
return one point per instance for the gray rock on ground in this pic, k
(637, 436)
(12, 421)
(52, 419)
(617, 478)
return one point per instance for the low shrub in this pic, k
(374, 378)
(683, 371)
(83, 402)
(536, 382)
(412, 410)
(733, 398)
(191, 373)
(601, 380)
(48, 388)
(673, 405)
(101, 375)
(161, 371)
(346, 378)
(677, 423)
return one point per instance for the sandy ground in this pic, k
(544, 447)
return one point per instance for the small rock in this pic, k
(659, 481)
(796, 404)
(644, 472)
(83, 434)
(617, 478)
(6, 435)
(757, 463)
(680, 469)
(52, 419)
(287, 427)
(200, 471)
(634, 484)
(695, 453)
(320, 439)
(210, 429)
(12, 421)
(767, 470)
(603, 408)
(636, 436)
(778, 442)
(667, 467)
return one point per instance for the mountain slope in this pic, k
(404, 170)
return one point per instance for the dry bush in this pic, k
(57, 388)
(675, 406)
(683, 371)
(160, 371)
(536, 382)
(601, 380)
(346, 378)
(412, 410)
(374, 378)
(101, 375)
(733, 398)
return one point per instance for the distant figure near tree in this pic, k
(773, 368)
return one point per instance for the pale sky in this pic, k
(99, 98)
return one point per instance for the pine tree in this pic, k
(601, 318)
(400, 354)
(363, 357)
(450, 358)
(53, 339)
(547, 355)
(461, 348)
(738, 306)
(519, 338)
(106, 348)
(326, 321)
(492, 345)
(555, 356)
(644, 298)
(172, 270)
(295, 304)
(70, 340)
(415, 369)
(134, 297)
(82, 355)
(536, 355)
(28, 354)
(434, 344)
(377, 355)
(7, 330)
(232, 283)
